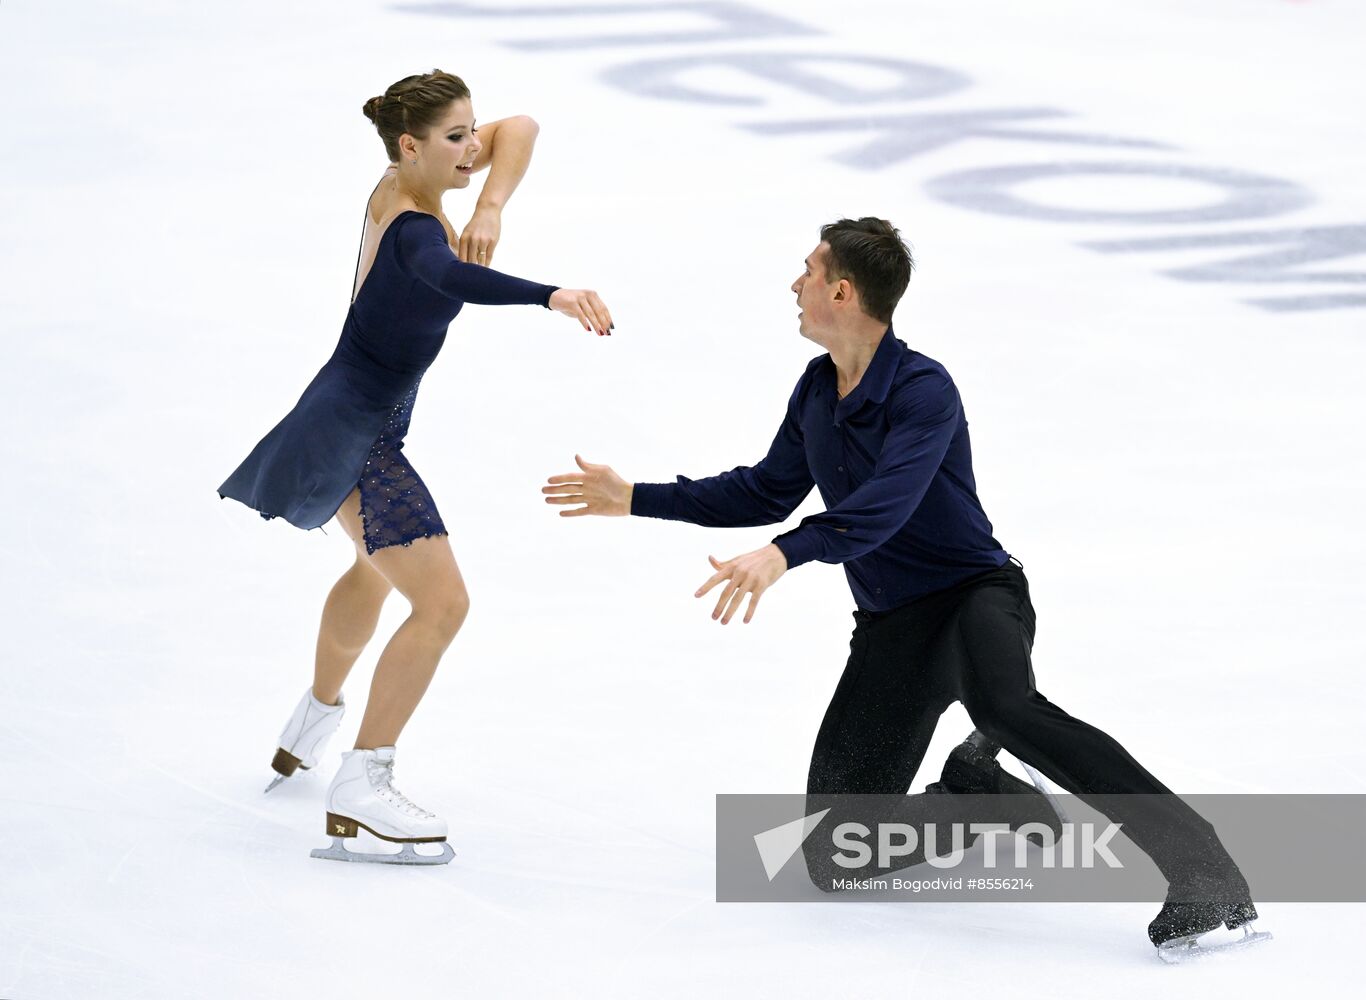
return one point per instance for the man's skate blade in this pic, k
(275, 781)
(1185, 949)
(1048, 792)
(407, 856)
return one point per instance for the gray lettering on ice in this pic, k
(658, 78)
(1245, 195)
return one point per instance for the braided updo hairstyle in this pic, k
(414, 105)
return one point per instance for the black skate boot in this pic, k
(972, 769)
(1197, 906)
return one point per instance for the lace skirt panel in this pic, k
(396, 507)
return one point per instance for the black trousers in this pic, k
(972, 643)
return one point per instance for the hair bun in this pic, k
(416, 105)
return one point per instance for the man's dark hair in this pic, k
(872, 255)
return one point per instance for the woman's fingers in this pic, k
(604, 313)
(590, 321)
(585, 306)
(474, 250)
(595, 311)
(592, 314)
(603, 316)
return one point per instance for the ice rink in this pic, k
(1140, 241)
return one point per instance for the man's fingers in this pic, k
(709, 584)
(721, 601)
(575, 512)
(734, 604)
(564, 484)
(753, 603)
(573, 498)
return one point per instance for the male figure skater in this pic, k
(944, 612)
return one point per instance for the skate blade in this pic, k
(407, 856)
(285, 777)
(1042, 785)
(1184, 949)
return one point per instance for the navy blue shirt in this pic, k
(894, 467)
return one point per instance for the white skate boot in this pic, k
(305, 735)
(363, 795)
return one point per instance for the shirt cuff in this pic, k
(549, 291)
(800, 545)
(653, 500)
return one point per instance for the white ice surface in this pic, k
(1180, 472)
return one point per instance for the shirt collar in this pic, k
(876, 380)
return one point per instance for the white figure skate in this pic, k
(363, 795)
(305, 735)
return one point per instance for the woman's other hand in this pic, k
(585, 306)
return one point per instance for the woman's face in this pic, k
(452, 145)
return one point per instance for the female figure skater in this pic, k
(338, 451)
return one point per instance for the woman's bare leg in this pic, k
(426, 573)
(350, 613)
(348, 623)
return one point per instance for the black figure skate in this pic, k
(1199, 905)
(972, 769)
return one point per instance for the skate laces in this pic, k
(382, 780)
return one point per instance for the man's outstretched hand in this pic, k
(600, 489)
(752, 573)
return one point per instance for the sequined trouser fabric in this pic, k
(396, 507)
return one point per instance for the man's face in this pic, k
(814, 296)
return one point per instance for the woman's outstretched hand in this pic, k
(585, 306)
(597, 486)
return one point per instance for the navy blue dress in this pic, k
(347, 428)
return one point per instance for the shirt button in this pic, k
(840, 467)
(879, 590)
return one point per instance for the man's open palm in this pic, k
(597, 487)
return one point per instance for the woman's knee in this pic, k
(446, 611)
